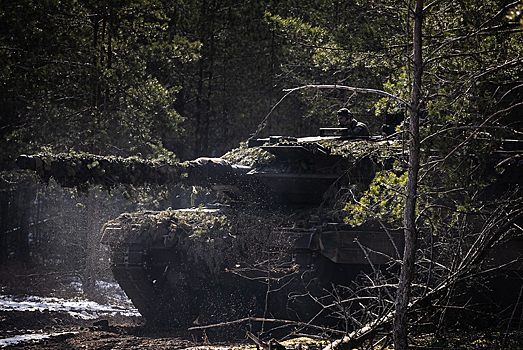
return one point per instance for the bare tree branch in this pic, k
(350, 88)
(259, 319)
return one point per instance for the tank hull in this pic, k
(189, 267)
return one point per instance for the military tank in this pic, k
(270, 243)
(272, 249)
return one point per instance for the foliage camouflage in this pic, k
(217, 239)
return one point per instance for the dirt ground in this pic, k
(130, 332)
(106, 332)
(117, 333)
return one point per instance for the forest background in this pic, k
(180, 79)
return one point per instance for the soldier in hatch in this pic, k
(346, 120)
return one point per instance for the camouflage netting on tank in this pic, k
(220, 240)
(357, 149)
(84, 170)
(249, 156)
(352, 149)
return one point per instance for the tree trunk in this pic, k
(411, 234)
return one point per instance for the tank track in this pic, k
(129, 270)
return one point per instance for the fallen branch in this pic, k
(358, 337)
(260, 319)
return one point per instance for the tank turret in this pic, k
(279, 169)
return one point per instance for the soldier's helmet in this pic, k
(344, 112)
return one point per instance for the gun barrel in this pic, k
(85, 169)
